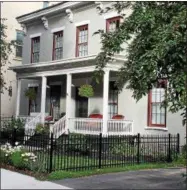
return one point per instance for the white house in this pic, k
(59, 52)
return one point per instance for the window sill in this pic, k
(17, 58)
(157, 128)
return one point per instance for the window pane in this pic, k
(18, 51)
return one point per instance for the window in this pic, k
(19, 43)
(113, 100)
(57, 45)
(112, 24)
(82, 41)
(35, 50)
(156, 113)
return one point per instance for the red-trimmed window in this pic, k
(82, 41)
(113, 23)
(35, 49)
(156, 112)
(58, 45)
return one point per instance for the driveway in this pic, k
(144, 179)
(14, 180)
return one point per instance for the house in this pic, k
(59, 52)
(10, 10)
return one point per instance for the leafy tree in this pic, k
(156, 38)
(5, 51)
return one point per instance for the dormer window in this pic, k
(112, 24)
(35, 49)
(82, 41)
(58, 45)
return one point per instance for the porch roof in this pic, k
(63, 64)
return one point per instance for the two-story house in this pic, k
(59, 52)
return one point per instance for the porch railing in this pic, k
(95, 126)
(59, 127)
(85, 125)
(120, 127)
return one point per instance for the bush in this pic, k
(74, 143)
(42, 129)
(17, 160)
(124, 149)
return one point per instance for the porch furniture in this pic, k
(118, 117)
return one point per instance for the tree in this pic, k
(5, 51)
(156, 38)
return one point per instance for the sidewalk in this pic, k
(14, 180)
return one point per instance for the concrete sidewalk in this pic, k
(14, 180)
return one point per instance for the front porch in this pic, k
(58, 101)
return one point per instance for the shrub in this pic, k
(124, 149)
(42, 129)
(17, 160)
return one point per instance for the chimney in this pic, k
(45, 4)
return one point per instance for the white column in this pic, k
(18, 97)
(43, 98)
(68, 100)
(105, 101)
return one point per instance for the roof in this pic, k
(49, 7)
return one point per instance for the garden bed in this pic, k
(40, 176)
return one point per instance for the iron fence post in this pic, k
(138, 149)
(178, 143)
(100, 149)
(51, 154)
(169, 148)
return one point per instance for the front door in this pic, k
(81, 105)
(55, 94)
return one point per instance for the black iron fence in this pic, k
(82, 152)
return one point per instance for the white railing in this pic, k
(25, 118)
(31, 125)
(94, 126)
(59, 127)
(120, 127)
(85, 125)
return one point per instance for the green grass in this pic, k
(75, 174)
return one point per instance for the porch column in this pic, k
(43, 98)
(68, 100)
(105, 101)
(18, 97)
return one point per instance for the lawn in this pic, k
(57, 175)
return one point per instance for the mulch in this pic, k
(25, 172)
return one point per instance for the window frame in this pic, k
(112, 19)
(53, 54)
(149, 113)
(78, 29)
(20, 45)
(32, 42)
(113, 93)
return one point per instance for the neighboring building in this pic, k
(10, 10)
(59, 56)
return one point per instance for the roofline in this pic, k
(18, 17)
(51, 9)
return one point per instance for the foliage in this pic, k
(16, 123)
(124, 148)
(30, 93)
(17, 161)
(153, 40)
(74, 143)
(17, 156)
(86, 90)
(6, 50)
(42, 129)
